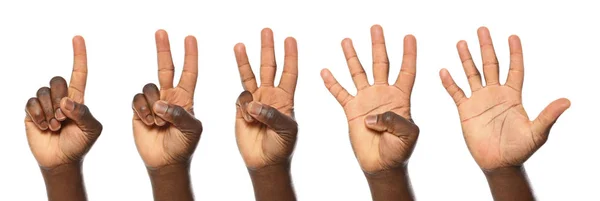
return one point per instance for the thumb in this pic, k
(545, 120)
(81, 116)
(282, 124)
(178, 117)
(392, 123)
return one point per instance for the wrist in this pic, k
(390, 184)
(275, 170)
(502, 172)
(62, 169)
(387, 173)
(509, 183)
(64, 182)
(171, 182)
(273, 182)
(168, 170)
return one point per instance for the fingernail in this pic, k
(371, 120)
(150, 119)
(160, 107)
(54, 125)
(44, 125)
(254, 108)
(58, 114)
(69, 104)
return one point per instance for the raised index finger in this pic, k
(79, 74)
(165, 61)
(189, 76)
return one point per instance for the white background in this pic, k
(560, 42)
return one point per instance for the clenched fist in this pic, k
(60, 128)
(164, 127)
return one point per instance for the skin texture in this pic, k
(61, 130)
(265, 127)
(496, 128)
(164, 127)
(382, 132)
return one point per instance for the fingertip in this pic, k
(160, 107)
(190, 39)
(78, 39)
(161, 34)
(443, 72)
(239, 47)
(409, 38)
(461, 44)
(371, 120)
(59, 115)
(67, 104)
(54, 125)
(254, 108)
(43, 125)
(376, 28)
(325, 73)
(290, 40)
(346, 42)
(564, 102)
(514, 38)
(149, 120)
(483, 30)
(266, 32)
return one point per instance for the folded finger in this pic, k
(152, 95)
(43, 96)
(36, 113)
(58, 90)
(142, 109)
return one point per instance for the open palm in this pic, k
(160, 140)
(60, 129)
(375, 149)
(496, 127)
(259, 143)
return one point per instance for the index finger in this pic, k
(166, 69)
(79, 74)
(189, 76)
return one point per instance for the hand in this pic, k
(164, 127)
(265, 128)
(382, 132)
(60, 128)
(495, 125)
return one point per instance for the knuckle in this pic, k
(270, 114)
(138, 97)
(388, 117)
(82, 110)
(43, 91)
(31, 102)
(57, 80)
(150, 87)
(177, 112)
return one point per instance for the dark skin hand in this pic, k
(164, 127)
(382, 132)
(496, 128)
(61, 130)
(265, 127)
